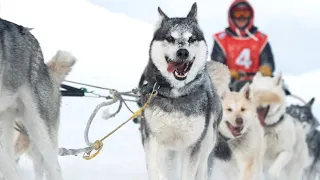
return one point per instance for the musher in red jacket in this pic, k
(243, 48)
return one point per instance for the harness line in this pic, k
(98, 144)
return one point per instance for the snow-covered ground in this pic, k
(112, 50)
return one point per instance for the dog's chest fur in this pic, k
(249, 142)
(181, 122)
(175, 129)
(281, 137)
(241, 150)
(246, 147)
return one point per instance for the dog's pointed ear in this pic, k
(223, 95)
(278, 79)
(245, 90)
(162, 14)
(310, 103)
(193, 11)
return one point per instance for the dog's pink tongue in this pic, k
(173, 66)
(234, 132)
(261, 117)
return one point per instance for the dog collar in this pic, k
(276, 123)
(146, 88)
(224, 138)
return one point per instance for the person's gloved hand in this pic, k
(234, 74)
(265, 70)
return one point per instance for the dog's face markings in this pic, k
(271, 105)
(238, 112)
(178, 49)
(303, 113)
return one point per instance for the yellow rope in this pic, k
(97, 145)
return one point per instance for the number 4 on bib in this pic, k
(244, 58)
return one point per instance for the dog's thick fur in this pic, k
(287, 152)
(181, 121)
(245, 136)
(303, 113)
(220, 76)
(28, 90)
(59, 67)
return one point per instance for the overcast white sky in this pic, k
(292, 25)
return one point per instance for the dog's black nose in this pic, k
(239, 121)
(182, 54)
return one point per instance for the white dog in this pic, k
(287, 151)
(245, 136)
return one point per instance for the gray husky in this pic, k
(303, 113)
(59, 67)
(181, 121)
(30, 92)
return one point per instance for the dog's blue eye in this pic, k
(192, 39)
(170, 39)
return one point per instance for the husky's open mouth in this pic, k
(236, 131)
(180, 70)
(262, 114)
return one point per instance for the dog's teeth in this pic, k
(185, 69)
(180, 75)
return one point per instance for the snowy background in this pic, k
(111, 39)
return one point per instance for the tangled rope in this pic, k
(98, 144)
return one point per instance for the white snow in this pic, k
(306, 86)
(112, 51)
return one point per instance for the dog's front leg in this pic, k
(190, 162)
(259, 161)
(156, 155)
(258, 168)
(251, 169)
(246, 169)
(172, 165)
(278, 165)
(295, 170)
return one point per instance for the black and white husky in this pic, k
(180, 125)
